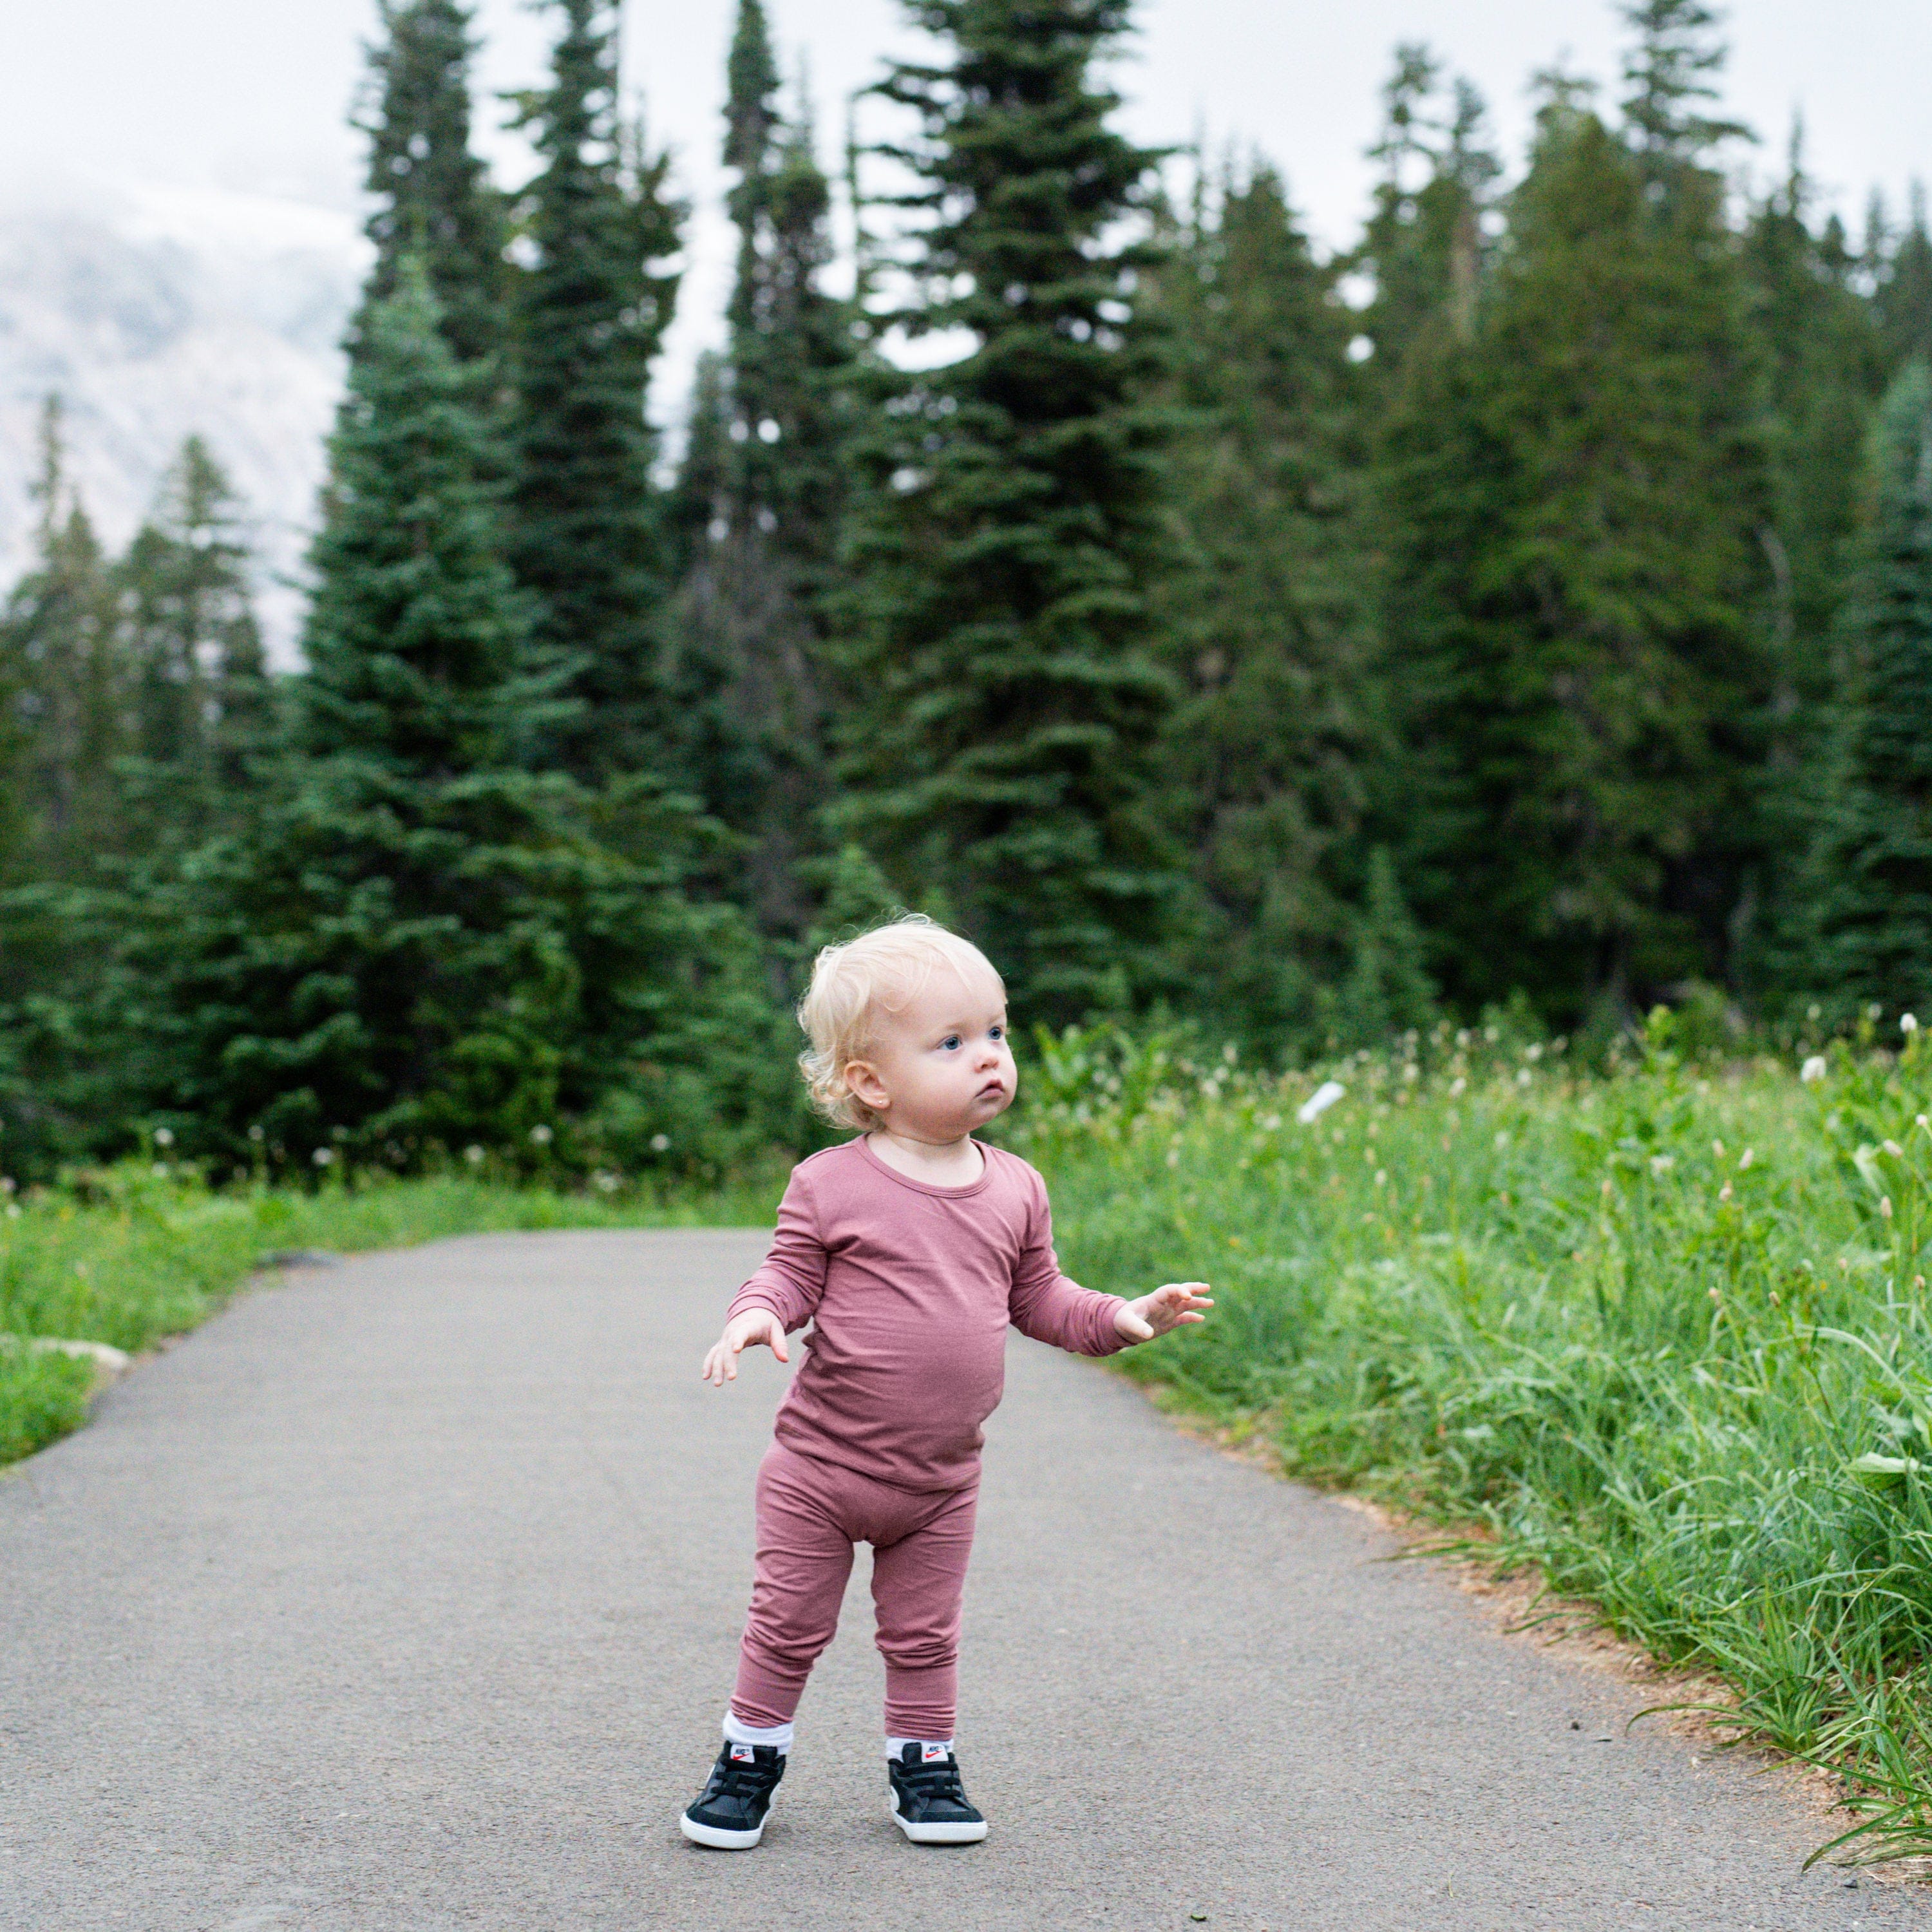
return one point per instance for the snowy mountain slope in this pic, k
(157, 313)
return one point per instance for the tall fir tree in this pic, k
(1424, 246)
(759, 498)
(1271, 748)
(67, 682)
(1007, 694)
(1824, 362)
(1577, 492)
(433, 199)
(1870, 874)
(411, 944)
(1902, 272)
(590, 540)
(201, 701)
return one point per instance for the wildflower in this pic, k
(1918, 1282)
(164, 1137)
(1457, 1087)
(1724, 1193)
(1907, 1024)
(1716, 1296)
(12, 1210)
(1661, 1164)
(7, 1183)
(1874, 1011)
(1319, 1102)
(1893, 1148)
(1462, 1036)
(1533, 1051)
(605, 1183)
(1502, 1139)
(1270, 1123)
(1610, 1186)
(541, 1134)
(322, 1156)
(256, 1134)
(660, 1143)
(1745, 1159)
(1522, 1076)
(1718, 1148)
(160, 1170)
(1382, 1177)
(1885, 1205)
(1811, 1011)
(1813, 1071)
(474, 1155)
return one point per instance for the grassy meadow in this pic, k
(1661, 1330)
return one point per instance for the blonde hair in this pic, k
(882, 971)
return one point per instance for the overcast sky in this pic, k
(251, 93)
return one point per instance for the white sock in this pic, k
(737, 1731)
(943, 1746)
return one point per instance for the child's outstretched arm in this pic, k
(1165, 1309)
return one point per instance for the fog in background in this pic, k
(178, 185)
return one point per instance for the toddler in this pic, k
(909, 1249)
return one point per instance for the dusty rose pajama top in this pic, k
(910, 1288)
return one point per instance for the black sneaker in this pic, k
(729, 1813)
(928, 1803)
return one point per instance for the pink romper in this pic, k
(910, 1289)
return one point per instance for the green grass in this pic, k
(139, 1252)
(1664, 1333)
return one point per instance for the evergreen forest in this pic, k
(1528, 608)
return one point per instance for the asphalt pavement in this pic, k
(404, 1596)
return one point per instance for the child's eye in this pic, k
(998, 1032)
(951, 1040)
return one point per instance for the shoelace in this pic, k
(737, 1779)
(936, 1783)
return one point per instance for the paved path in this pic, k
(404, 1596)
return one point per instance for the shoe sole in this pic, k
(717, 1837)
(937, 1835)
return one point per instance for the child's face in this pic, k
(941, 1067)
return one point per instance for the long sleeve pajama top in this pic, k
(910, 1288)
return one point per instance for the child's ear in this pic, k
(862, 1077)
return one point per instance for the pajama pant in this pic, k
(810, 1514)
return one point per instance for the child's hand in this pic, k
(1166, 1308)
(743, 1331)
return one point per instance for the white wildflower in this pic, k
(474, 1155)
(1893, 1148)
(1502, 1140)
(164, 1137)
(1907, 1024)
(1745, 1159)
(541, 1135)
(1813, 1071)
(1319, 1102)
(1661, 1164)
(1522, 1076)
(322, 1156)
(1457, 1087)
(660, 1143)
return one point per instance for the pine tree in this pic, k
(201, 700)
(60, 665)
(759, 497)
(433, 201)
(1007, 698)
(1824, 365)
(1270, 749)
(589, 540)
(1871, 870)
(1424, 246)
(411, 944)
(1903, 298)
(1577, 492)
